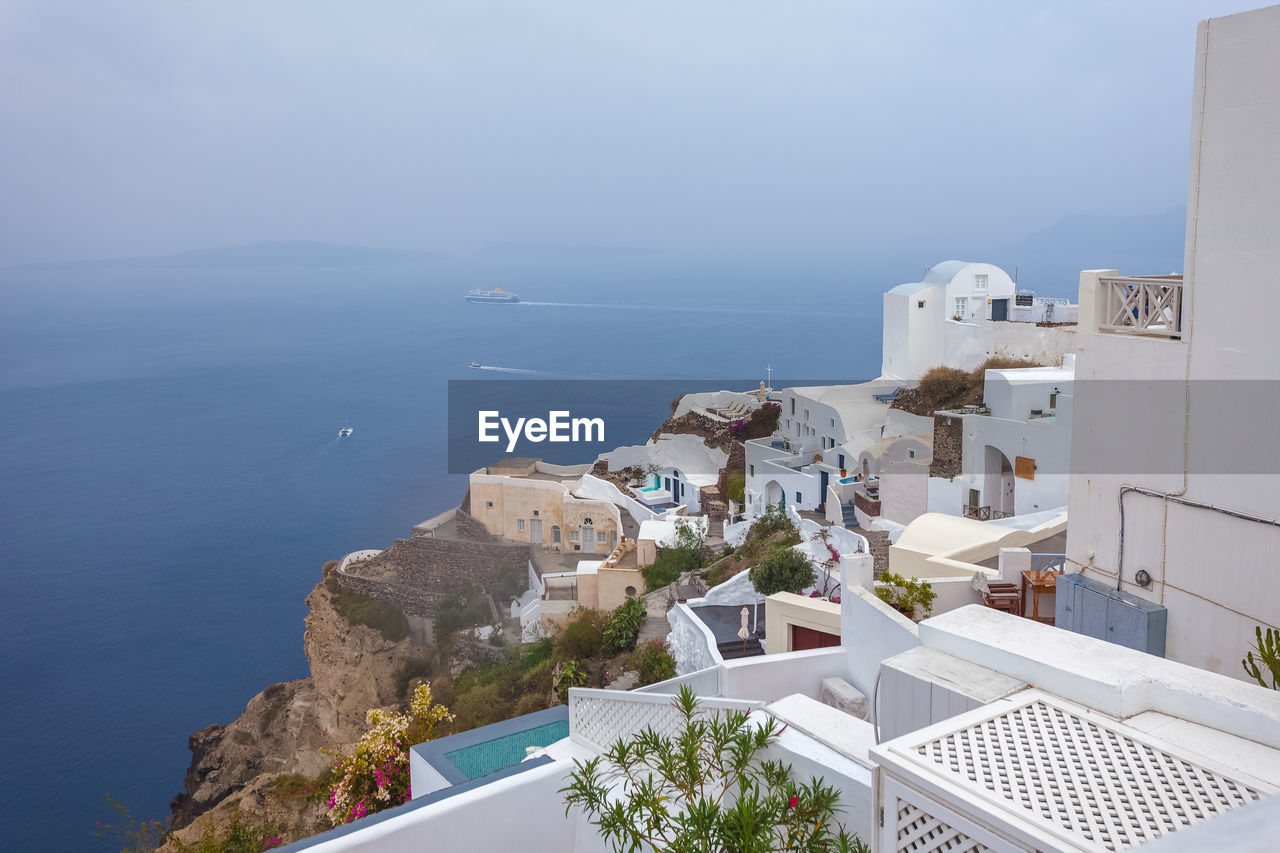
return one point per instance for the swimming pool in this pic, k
(490, 756)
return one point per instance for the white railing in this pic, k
(704, 682)
(598, 718)
(1142, 305)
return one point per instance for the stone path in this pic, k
(626, 681)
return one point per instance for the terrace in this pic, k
(1141, 305)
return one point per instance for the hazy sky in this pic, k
(743, 127)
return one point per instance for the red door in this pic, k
(807, 638)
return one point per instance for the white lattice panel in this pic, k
(598, 718)
(1101, 782)
(917, 831)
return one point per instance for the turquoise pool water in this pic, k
(490, 756)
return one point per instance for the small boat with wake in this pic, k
(477, 365)
(345, 432)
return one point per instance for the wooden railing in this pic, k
(1142, 305)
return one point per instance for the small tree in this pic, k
(1267, 663)
(704, 789)
(782, 570)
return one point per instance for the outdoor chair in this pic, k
(1003, 595)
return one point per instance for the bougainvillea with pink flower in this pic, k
(376, 775)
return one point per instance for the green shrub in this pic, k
(735, 485)
(409, 669)
(907, 595)
(772, 520)
(532, 654)
(242, 737)
(583, 637)
(624, 626)
(664, 570)
(782, 570)
(668, 792)
(568, 674)
(653, 660)
(1267, 664)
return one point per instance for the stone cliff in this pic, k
(284, 729)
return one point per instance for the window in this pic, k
(573, 536)
(793, 405)
(961, 305)
(806, 414)
(488, 504)
(601, 536)
(535, 513)
(833, 421)
(980, 282)
(631, 592)
(520, 525)
(920, 304)
(555, 534)
(586, 522)
(911, 454)
(752, 470)
(840, 461)
(799, 497)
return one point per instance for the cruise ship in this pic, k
(495, 295)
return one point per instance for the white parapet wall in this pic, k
(692, 643)
(593, 488)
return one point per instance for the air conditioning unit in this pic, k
(843, 696)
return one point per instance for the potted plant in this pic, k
(906, 595)
(843, 473)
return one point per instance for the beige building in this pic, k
(528, 500)
(794, 623)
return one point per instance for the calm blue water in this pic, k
(171, 483)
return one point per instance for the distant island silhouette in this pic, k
(282, 253)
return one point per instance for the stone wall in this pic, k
(878, 545)
(416, 574)
(948, 446)
(467, 527)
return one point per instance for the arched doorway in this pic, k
(997, 481)
(772, 493)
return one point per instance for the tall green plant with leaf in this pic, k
(1267, 664)
(705, 789)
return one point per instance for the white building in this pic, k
(821, 432)
(963, 313)
(1015, 449)
(681, 466)
(1175, 491)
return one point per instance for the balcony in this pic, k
(984, 513)
(1141, 305)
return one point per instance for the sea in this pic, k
(171, 479)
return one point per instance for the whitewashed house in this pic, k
(963, 313)
(1175, 486)
(1014, 451)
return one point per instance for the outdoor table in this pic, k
(1039, 581)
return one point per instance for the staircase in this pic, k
(848, 516)
(731, 649)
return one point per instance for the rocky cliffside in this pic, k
(284, 728)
